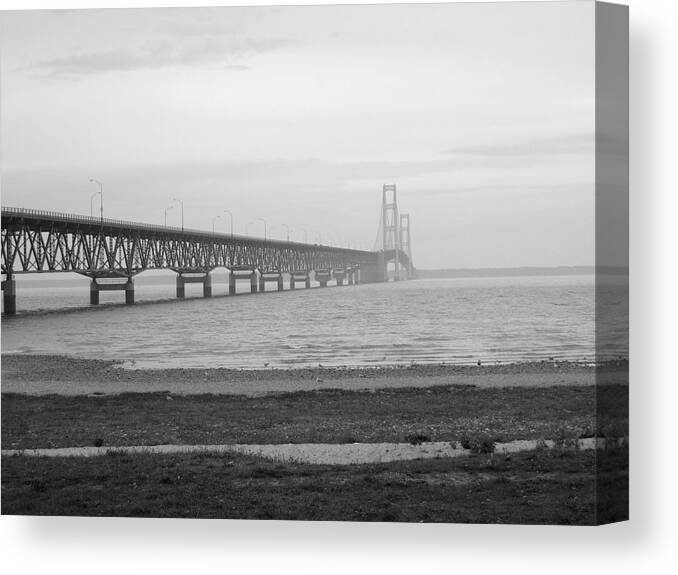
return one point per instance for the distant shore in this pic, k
(50, 374)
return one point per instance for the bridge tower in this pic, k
(405, 242)
(391, 237)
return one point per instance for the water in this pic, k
(422, 321)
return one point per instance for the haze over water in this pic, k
(459, 320)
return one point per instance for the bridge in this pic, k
(112, 252)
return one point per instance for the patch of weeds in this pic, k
(541, 444)
(565, 439)
(614, 435)
(478, 443)
(417, 438)
(98, 442)
(348, 438)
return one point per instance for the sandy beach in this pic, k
(42, 374)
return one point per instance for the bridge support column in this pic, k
(114, 284)
(93, 292)
(194, 277)
(181, 287)
(129, 292)
(323, 276)
(340, 275)
(241, 273)
(9, 295)
(300, 276)
(350, 278)
(270, 276)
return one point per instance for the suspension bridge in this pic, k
(112, 252)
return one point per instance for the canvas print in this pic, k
(337, 263)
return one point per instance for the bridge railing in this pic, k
(93, 220)
(78, 219)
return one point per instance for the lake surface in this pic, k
(459, 320)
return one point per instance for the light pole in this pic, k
(91, 201)
(305, 235)
(230, 214)
(182, 212)
(288, 231)
(214, 219)
(167, 209)
(265, 226)
(101, 194)
(247, 226)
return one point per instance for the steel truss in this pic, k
(37, 241)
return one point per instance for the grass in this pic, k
(545, 487)
(442, 413)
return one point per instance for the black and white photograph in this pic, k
(363, 263)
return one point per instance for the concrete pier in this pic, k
(96, 286)
(340, 275)
(323, 276)
(300, 276)
(93, 293)
(194, 277)
(242, 273)
(129, 292)
(9, 295)
(270, 276)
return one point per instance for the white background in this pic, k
(646, 544)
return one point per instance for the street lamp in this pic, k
(214, 219)
(230, 214)
(305, 235)
(288, 231)
(167, 209)
(91, 201)
(101, 194)
(265, 226)
(182, 212)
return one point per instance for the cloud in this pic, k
(567, 144)
(209, 51)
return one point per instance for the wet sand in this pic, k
(43, 374)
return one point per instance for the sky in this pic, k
(481, 114)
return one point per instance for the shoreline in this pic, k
(66, 375)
